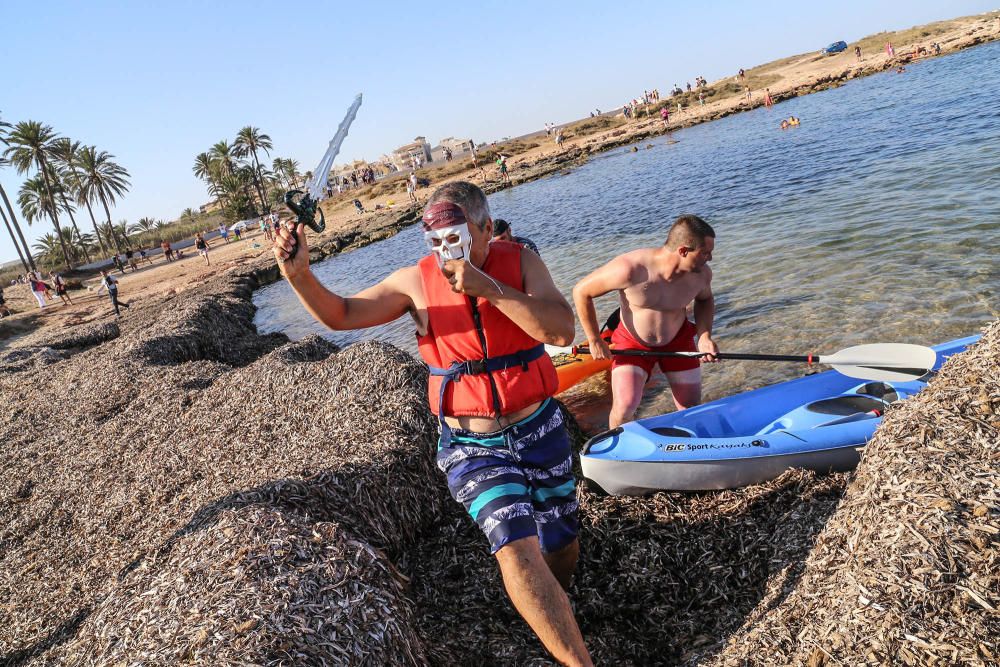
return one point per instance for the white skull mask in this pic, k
(449, 242)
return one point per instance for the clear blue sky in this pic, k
(157, 83)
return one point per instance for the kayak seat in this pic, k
(672, 432)
(843, 406)
(881, 390)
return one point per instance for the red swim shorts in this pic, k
(682, 342)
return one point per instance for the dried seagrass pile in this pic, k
(907, 571)
(181, 477)
(179, 489)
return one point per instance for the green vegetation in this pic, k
(66, 174)
(241, 186)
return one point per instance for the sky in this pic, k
(155, 84)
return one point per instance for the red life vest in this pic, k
(453, 336)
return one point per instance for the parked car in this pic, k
(836, 47)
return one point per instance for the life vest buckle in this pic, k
(474, 367)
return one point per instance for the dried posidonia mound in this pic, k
(178, 489)
(907, 571)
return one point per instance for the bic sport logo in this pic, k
(670, 447)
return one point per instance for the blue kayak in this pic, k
(818, 422)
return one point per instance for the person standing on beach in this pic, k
(749, 95)
(411, 187)
(110, 283)
(60, 285)
(857, 53)
(482, 313)
(37, 288)
(502, 168)
(655, 286)
(768, 102)
(224, 232)
(202, 245)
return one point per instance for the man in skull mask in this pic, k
(482, 313)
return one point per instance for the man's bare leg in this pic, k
(562, 563)
(541, 601)
(626, 393)
(685, 387)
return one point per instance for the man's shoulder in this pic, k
(637, 257)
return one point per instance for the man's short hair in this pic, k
(688, 230)
(468, 197)
(500, 226)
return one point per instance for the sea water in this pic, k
(876, 220)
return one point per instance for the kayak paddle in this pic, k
(887, 362)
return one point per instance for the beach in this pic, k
(532, 158)
(182, 488)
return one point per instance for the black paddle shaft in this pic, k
(721, 355)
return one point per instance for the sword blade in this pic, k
(315, 187)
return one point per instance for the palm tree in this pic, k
(35, 203)
(287, 169)
(28, 145)
(122, 229)
(58, 180)
(102, 179)
(27, 261)
(224, 156)
(48, 248)
(143, 229)
(188, 215)
(87, 240)
(144, 226)
(249, 140)
(66, 153)
(204, 168)
(20, 253)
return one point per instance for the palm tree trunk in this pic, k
(44, 168)
(20, 255)
(259, 182)
(83, 246)
(100, 240)
(104, 249)
(111, 227)
(17, 227)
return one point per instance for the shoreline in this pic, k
(801, 75)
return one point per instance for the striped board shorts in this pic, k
(516, 482)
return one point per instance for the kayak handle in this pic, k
(600, 436)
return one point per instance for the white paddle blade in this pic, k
(887, 362)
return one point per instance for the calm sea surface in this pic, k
(876, 220)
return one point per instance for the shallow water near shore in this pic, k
(876, 220)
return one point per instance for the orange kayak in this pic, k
(578, 366)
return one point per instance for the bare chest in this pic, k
(665, 295)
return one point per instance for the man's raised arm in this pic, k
(615, 275)
(374, 305)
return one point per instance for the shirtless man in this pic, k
(654, 286)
